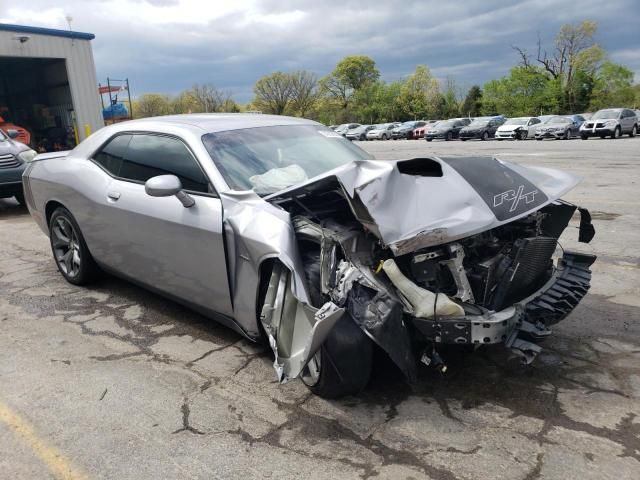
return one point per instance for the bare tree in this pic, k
(304, 91)
(209, 99)
(273, 92)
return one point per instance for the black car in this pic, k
(13, 159)
(481, 128)
(446, 129)
(406, 129)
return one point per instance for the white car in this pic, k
(519, 128)
(381, 131)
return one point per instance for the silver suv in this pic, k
(613, 122)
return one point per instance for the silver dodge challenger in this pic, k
(286, 232)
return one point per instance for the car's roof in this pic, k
(218, 122)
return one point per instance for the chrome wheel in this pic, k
(311, 373)
(66, 247)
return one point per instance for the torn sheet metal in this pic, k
(295, 330)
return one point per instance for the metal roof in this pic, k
(52, 32)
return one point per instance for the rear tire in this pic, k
(448, 137)
(485, 136)
(633, 131)
(584, 137)
(70, 252)
(428, 139)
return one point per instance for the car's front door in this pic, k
(156, 240)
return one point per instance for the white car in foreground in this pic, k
(519, 128)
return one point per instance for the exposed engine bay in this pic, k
(502, 285)
(423, 253)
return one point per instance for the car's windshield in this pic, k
(410, 124)
(557, 119)
(380, 126)
(605, 115)
(269, 159)
(445, 123)
(516, 121)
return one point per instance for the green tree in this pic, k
(350, 75)
(472, 104)
(151, 105)
(525, 91)
(613, 87)
(419, 94)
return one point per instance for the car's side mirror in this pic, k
(167, 186)
(13, 133)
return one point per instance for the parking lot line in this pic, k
(60, 467)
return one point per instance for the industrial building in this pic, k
(48, 86)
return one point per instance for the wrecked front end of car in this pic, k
(422, 253)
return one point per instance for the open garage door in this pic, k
(35, 95)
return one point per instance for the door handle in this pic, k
(113, 195)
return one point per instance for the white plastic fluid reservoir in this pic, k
(421, 300)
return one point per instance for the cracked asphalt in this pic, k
(124, 384)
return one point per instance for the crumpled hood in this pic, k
(422, 202)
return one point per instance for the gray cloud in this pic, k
(167, 45)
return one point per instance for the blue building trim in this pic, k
(46, 31)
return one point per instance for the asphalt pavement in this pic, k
(115, 382)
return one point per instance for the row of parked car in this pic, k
(610, 122)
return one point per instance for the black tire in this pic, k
(584, 137)
(87, 270)
(633, 131)
(566, 135)
(448, 137)
(346, 358)
(539, 139)
(20, 199)
(485, 136)
(617, 133)
(343, 363)
(428, 139)
(523, 134)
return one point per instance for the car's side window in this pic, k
(151, 155)
(111, 155)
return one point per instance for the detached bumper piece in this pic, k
(526, 321)
(556, 300)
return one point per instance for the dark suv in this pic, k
(13, 159)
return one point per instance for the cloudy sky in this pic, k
(167, 45)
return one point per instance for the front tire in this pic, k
(523, 135)
(485, 136)
(448, 137)
(584, 137)
(633, 131)
(343, 364)
(616, 133)
(566, 135)
(70, 252)
(20, 199)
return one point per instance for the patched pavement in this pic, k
(124, 384)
